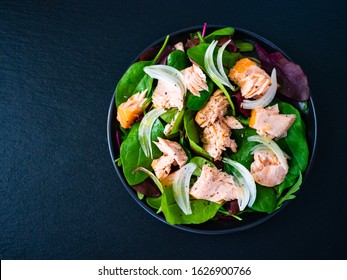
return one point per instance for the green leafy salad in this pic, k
(204, 131)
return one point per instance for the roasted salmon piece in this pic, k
(270, 123)
(167, 95)
(168, 180)
(194, 79)
(232, 122)
(217, 128)
(252, 80)
(173, 153)
(216, 138)
(162, 166)
(131, 109)
(267, 170)
(214, 185)
(215, 108)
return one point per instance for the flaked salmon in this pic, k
(168, 180)
(215, 108)
(131, 109)
(173, 154)
(194, 79)
(217, 128)
(167, 95)
(216, 138)
(267, 170)
(233, 122)
(270, 123)
(214, 185)
(252, 80)
(162, 166)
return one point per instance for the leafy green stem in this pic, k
(227, 96)
(161, 50)
(200, 37)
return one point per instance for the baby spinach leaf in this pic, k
(133, 81)
(154, 202)
(169, 115)
(133, 156)
(189, 126)
(197, 54)
(177, 124)
(266, 200)
(288, 182)
(178, 59)
(215, 35)
(185, 147)
(296, 136)
(196, 103)
(294, 169)
(199, 150)
(202, 210)
(200, 162)
(244, 46)
(243, 154)
(193, 134)
(290, 194)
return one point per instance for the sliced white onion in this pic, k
(260, 148)
(168, 74)
(145, 130)
(243, 192)
(247, 182)
(220, 64)
(266, 98)
(180, 187)
(263, 148)
(272, 146)
(209, 63)
(152, 176)
(219, 75)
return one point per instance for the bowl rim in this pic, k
(186, 228)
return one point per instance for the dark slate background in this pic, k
(60, 197)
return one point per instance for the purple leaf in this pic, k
(231, 46)
(192, 43)
(291, 78)
(118, 141)
(232, 207)
(238, 97)
(147, 188)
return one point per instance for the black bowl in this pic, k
(219, 226)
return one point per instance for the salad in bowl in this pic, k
(208, 129)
